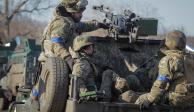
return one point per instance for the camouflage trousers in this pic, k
(129, 96)
(174, 99)
(180, 100)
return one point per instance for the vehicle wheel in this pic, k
(54, 81)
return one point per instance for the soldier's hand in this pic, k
(121, 84)
(83, 90)
(143, 101)
(72, 53)
(69, 60)
(100, 25)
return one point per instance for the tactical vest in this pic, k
(178, 83)
(183, 94)
(185, 83)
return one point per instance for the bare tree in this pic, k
(11, 8)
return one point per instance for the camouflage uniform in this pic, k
(85, 70)
(171, 83)
(60, 32)
(90, 74)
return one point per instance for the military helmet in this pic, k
(74, 5)
(175, 40)
(81, 41)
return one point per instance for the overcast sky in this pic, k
(171, 13)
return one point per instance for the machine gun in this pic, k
(127, 25)
(120, 26)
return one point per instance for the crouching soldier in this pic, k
(89, 74)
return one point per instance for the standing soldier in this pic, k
(172, 84)
(88, 72)
(64, 27)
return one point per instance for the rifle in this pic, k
(121, 25)
(147, 61)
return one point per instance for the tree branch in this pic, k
(17, 9)
(37, 9)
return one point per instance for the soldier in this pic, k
(171, 84)
(89, 73)
(64, 27)
(59, 34)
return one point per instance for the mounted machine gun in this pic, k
(127, 25)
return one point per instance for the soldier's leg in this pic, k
(134, 83)
(106, 85)
(111, 81)
(32, 104)
(129, 96)
(35, 91)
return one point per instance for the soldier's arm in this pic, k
(162, 81)
(87, 26)
(60, 33)
(169, 69)
(81, 70)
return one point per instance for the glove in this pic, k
(69, 60)
(121, 84)
(143, 101)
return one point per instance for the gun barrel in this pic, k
(97, 7)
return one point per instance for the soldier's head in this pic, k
(175, 40)
(83, 44)
(75, 8)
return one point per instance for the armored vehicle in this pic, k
(128, 45)
(21, 56)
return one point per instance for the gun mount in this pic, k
(127, 25)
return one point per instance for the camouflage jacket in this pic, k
(85, 70)
(171, 77)
(59, 35)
